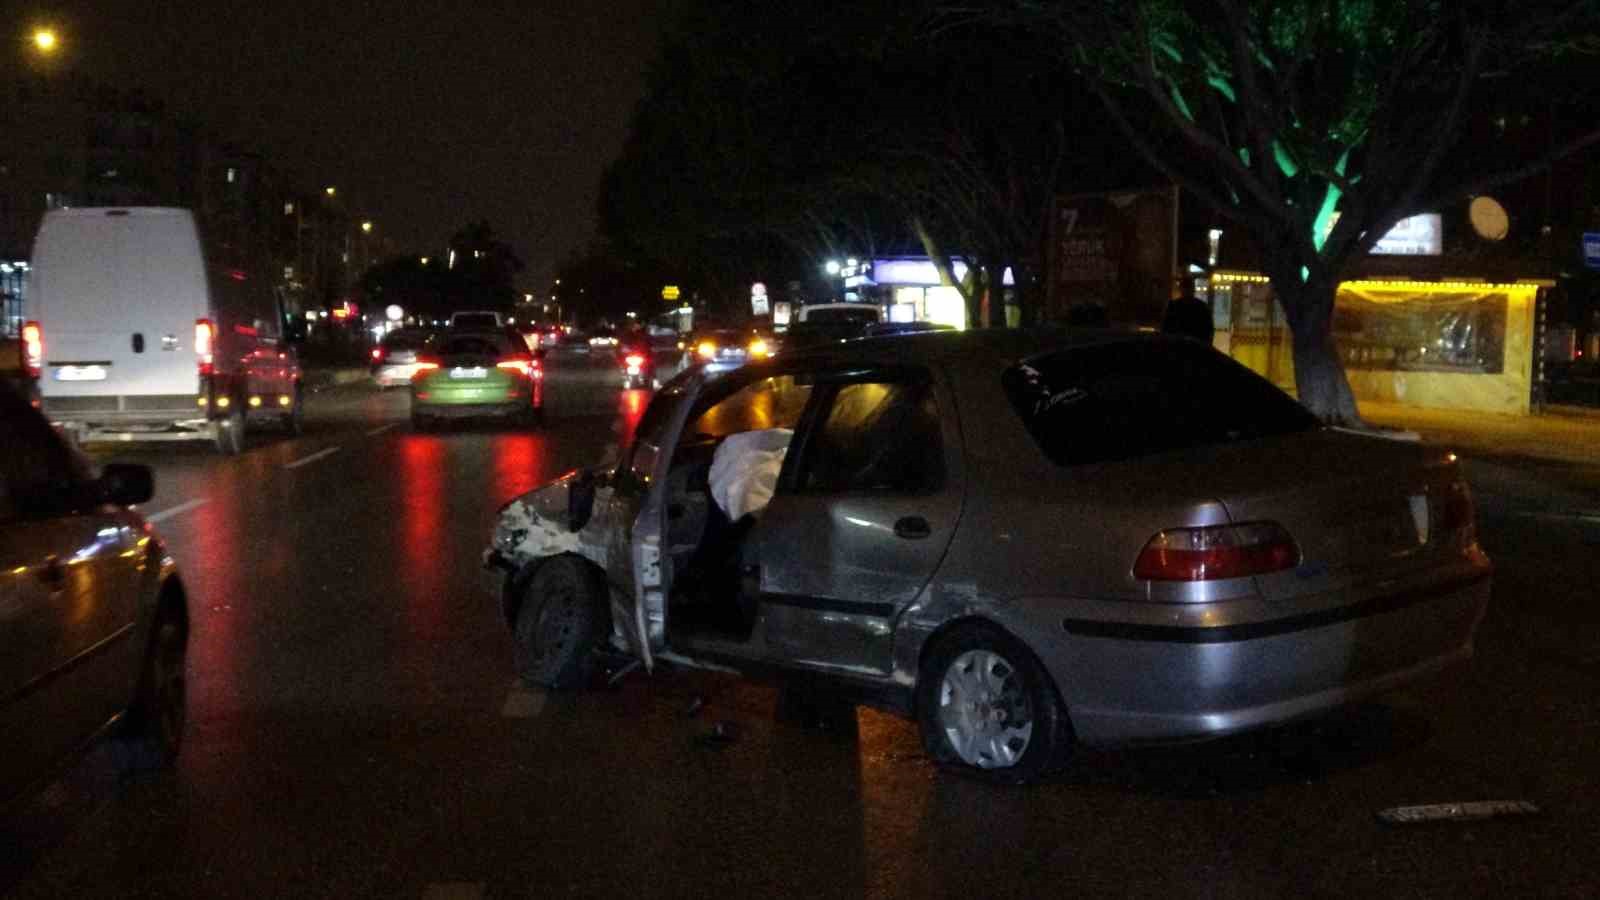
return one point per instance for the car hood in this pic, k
(538, 524)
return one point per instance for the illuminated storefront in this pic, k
(909, 289)
(1458, 344)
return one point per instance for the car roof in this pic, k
(957, 347)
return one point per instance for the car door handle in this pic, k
(912, 528)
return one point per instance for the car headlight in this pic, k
(706, 349)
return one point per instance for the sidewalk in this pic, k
(1563, 434)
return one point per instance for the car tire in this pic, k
(294, 420)
(976, 683)
(562, 619)
(231, 431)
(152, 731)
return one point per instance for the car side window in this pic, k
(40, 475)
(775, 402)
(876, 436)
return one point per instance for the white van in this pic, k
(144, 332)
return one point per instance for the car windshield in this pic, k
(843, 314)
(474, 320)
(1131, 399)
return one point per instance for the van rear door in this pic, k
(117, 293)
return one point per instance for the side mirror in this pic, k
(126, 484)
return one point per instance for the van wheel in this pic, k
(987, 707)
(152, 731)
(562, 619)
(230, 433)
(294, 420)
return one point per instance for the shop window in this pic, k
(1457, 331)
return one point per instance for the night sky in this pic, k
(425, 115)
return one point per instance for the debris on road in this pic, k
(1475, 811)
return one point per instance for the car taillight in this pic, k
(204, 345)
(520, 366)
(33, 349)
(634, 360)
(423, 366)
(758, 347)
(1213, 552)
(377, 354)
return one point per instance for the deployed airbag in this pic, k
(744, 471)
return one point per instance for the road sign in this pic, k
(1591, 249)
(670, 292)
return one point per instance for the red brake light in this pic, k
(517, 365)
(1214, 552)
(377, 353)
(204, 345)
(634, 359)
(423, 365)
(33, 349)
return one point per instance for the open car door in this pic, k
(636, 574)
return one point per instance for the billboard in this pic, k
(1117, 250)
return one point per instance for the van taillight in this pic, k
(33, 349)
(1214, 552)
(204, 345)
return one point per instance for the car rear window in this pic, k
(1137, 398)
(473, 345)
(405, 341)
(474, 320)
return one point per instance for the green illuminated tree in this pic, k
(1316, 125)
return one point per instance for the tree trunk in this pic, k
(1319, 376)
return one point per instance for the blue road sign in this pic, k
(1591, 249)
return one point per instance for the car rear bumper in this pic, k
(472, 410)
(1130, 684)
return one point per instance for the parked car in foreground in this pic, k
(477, 374)
(1021, 540)
(94, 622)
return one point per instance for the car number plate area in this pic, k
(81, 373)
(469, 372)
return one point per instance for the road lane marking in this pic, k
(178, 510)
(523, 702)
(382, 428)
(305, 461)
(455, 890)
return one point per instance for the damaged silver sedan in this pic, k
(1022, 541)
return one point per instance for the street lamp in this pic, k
(366, 227)
(831, 267)
(45, 40)
(330, 190)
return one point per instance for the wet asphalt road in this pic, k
(355, 729)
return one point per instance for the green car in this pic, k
(474, 374)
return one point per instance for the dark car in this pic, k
(1024, 541)
(93, 616)
(806, 335)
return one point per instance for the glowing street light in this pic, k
(366, 227)
(45, 40)
(330, 190)
(831, 267)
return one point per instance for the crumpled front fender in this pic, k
(536, 525)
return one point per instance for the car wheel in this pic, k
(987, 707)
(294, 420)
(230, 432)
(562, 619)
(152, 731)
